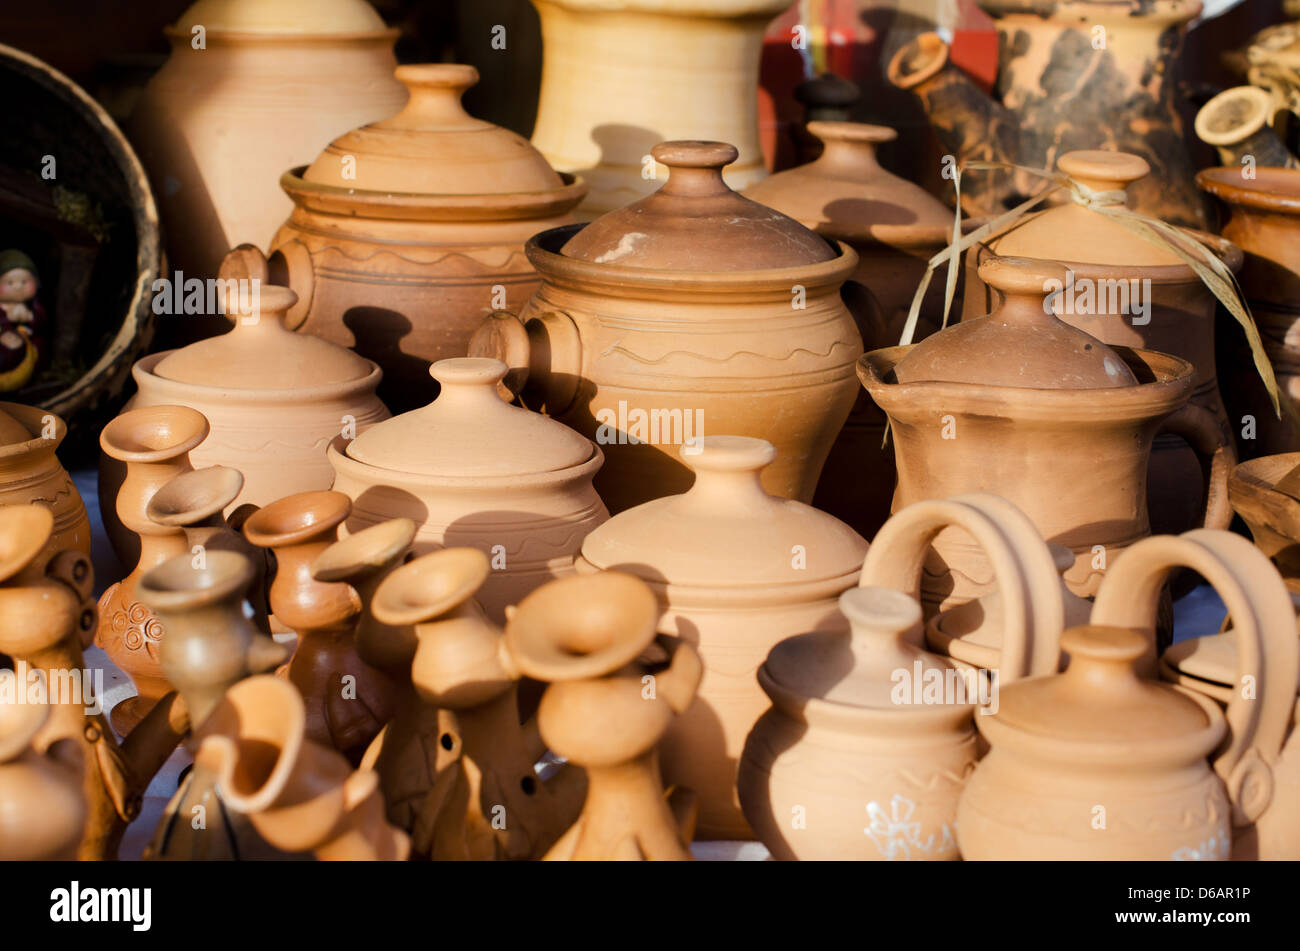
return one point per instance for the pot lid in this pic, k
(281, 16)
(469, 430)
(858, 669)
(433, 146)
(726, 530)
(1072, 233)
(1212, 658)
(846, 187)
(1021, 343)
(12, 431)
(694, 222)
(261, 353)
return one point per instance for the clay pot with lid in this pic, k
(31, 472)
(736, 570)
(1105, 260)
(693, 310)
(1021, 404)
(471, 470)
(407, 232)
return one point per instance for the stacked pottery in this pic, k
(735, 570)
(471, 470)
(407, 232)
(694, 308)
(30, 472)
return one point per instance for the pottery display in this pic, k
(154, 444)
(471, 470)
(30, 472)
(606, 708)
(407, 232)
(1009, 403)
(1271, 60)
(693, 310)
(619, 77)
(249, 90)
(1266, 494)
(1106, 294)
(1239, 123)
(347, 700)
(1059, 88)
(736, 570)
(299, 795)
(489, 802)
(48, 609)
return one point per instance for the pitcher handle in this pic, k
(543, 352)
(1218, 456)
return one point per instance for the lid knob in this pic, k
(695, 167)
(728, 472)
(469, 371)
(879, 612)
(1103, 658)
(435, 90)
(1103, 171)
(1023, 286)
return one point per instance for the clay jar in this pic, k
(1263, 493)
(1105, 260)
(694, 310)
(30, 472)
(267, 88)
(407, 232)
(1021, 404)
(736, 571)
(471, 470)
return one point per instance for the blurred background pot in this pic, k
(30, 472)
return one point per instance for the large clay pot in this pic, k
(692, 310)
(407, 232)
(471, 470)
(268, 88)
(619, 77)
(30, 472)
(736, 571)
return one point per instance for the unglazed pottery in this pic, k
(471, 470)
(1251, 670)
(1238, 122)
(1264, 493)
(407, 232)
(606, 710)
(48, 607)
(30, 472)
(619, 77)
(300, 796)
(264, 88)
(154, 444)
(736, 570)
(668, 320)
(1072, 74)
(347, 701)
(488, 802)
(1009, 403)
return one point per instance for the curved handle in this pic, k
(288, 266)
(1022, 566)
(1267, 647)
(1218, 456)
(543, 352)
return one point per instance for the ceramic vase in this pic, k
(31, 472)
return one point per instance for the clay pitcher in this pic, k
(30, 472)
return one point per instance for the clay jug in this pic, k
(605, 710)
(736, 571)
(461, 667)
(407, 232)
(1251, 671)
(300, 796)
(1264, 493)
(30, 472)
(693, 307)
(267, 87)
(1238, 122)
(471, 470)
(154, 444)
(1010, 402)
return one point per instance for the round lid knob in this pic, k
(1103, 171)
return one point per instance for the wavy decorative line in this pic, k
(646, 361)
(492, 260)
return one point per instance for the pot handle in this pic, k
(1200, 430)
(1022, 565)
(543, 352)
(289, 266)
(1264, 620)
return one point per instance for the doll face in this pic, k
(18, 284)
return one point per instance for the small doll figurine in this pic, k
(22, 319)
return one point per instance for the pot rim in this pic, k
(397, 478)
(676, 595)
(144, 376)
(229, 572)
(1161, 274)
(1172, 11)
(179, 37)
(1219, 183)
(27, 415)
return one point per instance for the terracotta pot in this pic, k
(30, 472)
(1270, 61)
(723, 316)
(1238, 123)
(617, 78)
(460, 666)
(1262, 492)
(1104, 260)
(736, 571)
(471, 470)
(299, 795)
(1263, 215)
(154, 444)
(1252, 671)
(583, 636)
(1008, 403)
(348, 701)
(269, 87)
(48, 606)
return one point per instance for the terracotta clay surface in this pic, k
(1264, 493)
(30, 472)
(1238, 123)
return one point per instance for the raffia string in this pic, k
(1214, 274)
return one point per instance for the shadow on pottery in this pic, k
(377, 334)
